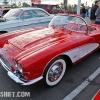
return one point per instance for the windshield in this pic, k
(69, 22)
(13, 14)
(59, 20)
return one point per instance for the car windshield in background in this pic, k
(13, 14)
(69, 22)
(59, 20)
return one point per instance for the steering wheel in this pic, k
(83, 28)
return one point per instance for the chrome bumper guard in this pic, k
(17, 80)
(4, 65)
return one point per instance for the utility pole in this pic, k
(11, 3)
(15, 1)
(78, 6)
(65, 5)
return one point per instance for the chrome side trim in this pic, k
(33, 81)
(17, 80)
(4, 65)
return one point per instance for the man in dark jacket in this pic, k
(93, 10)
(83, 11)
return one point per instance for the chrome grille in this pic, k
(5, 63)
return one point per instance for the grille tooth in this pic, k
(5, 63)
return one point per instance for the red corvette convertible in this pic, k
(44, 53)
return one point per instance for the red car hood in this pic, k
(37, 38)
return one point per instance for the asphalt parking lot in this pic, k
(73, 78)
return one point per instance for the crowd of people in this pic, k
(93, 12)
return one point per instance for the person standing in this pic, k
(83, 11)
(93, 10)
(97, 14)
(89, 12)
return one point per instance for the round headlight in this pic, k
(15, 63)
(19, 68)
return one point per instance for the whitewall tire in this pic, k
(55, 71)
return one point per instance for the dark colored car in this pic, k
(3, 11)
(52, 9)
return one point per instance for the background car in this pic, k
(50, 8)
(45, 53)
(3, 11)
(21, 18)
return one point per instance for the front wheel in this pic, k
(54, 71)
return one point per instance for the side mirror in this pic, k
(2, 19)
(88, 29)
(91, 28)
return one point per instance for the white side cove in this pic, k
(79, 52)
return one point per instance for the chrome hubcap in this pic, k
(55, 72)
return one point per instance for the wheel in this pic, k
(54, 71)
(99, 49)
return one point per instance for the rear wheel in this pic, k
(54, 71)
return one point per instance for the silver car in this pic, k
(21, 18)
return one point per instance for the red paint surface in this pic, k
(35, 1)
(97, 96)
(33, 49)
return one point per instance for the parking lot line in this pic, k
(75, 92)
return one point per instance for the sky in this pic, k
(89, 2)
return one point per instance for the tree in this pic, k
(19, 4)
(14, 5)
(82, 4)
(24, 4)
(61, 3)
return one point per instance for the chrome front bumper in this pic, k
(17, 80)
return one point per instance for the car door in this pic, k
(10, 25)
(87, 43)
(43, 16)
(28, 20)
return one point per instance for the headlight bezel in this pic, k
(18, 66)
